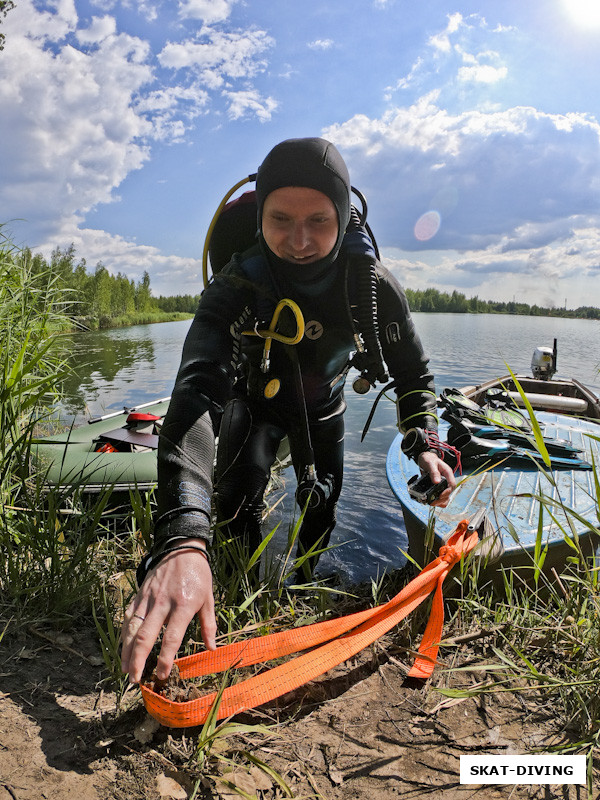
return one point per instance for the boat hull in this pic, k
(510, 496)
(69, 459)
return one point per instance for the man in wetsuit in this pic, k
(305, 252)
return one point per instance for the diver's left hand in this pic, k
(431, 463)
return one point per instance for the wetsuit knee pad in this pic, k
(239, 504)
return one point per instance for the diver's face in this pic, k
(299, 225)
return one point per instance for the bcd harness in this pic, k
(233, 229)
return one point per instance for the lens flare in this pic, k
(427, 225)
(583, 13)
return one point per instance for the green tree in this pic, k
(101, 292)
(458, 303)
(414, 301)
(82, 285)
(143, 297)
(427, 303)
(123, 295)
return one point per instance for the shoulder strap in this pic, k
(256, 271)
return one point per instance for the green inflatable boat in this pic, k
(117, 450)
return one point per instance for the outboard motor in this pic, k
(543, 362)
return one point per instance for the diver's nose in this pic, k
(300, 238)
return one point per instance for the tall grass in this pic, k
(46, 564)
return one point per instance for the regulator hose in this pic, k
(362, 220)
(366, 282)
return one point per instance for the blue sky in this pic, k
(472, 127)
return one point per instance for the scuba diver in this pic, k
(315, 265)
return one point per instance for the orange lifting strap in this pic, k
(340, 639)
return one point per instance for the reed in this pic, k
(46, 566)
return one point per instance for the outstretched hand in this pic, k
(176, 589)
(431, 463)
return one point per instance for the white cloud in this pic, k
(104, 5)
(482, 73)
(506, 168)
(441, 41)
(69, 130)
(100, 29)
(218, 54)
(171, 108)
(321, 44)
(544, 276)
(407, 81)
(209, 11)
(148, 9)
(83, 105)
(46, 25)
(516, 190)
(462, 61)
(215, 58)
(250, 103)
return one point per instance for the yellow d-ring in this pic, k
(271, 333)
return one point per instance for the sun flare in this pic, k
(583, 13)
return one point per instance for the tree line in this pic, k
(432, 300)
(91, 294)
(101, 296)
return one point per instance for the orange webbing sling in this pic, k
(339, 639)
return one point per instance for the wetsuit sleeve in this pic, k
(404, 356)
(202, 387)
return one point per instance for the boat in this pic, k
(116, 452)
(504, 492)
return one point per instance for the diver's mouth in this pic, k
(301, 259)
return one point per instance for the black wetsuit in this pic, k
(220, 365)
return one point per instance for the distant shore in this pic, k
(126, 321)
(151, 317)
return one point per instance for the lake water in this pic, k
(129, 366)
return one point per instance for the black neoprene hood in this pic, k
(313, 163)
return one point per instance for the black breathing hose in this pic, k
(367, 320)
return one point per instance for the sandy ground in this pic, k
(360, 732)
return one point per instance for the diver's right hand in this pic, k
(172, 592)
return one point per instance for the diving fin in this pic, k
(558, 447)
(507, 416)
(477, 451)
(458, 404)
